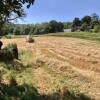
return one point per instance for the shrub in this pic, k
(8, 36)
(13, 49)
(9, 52)
(96, 28)
(6, 55)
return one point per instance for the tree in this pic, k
(94, 16)
(60, 27)
(94, 22)
(84, 27)
(68, 25)
(55, 26)
(17, 31)
(76, 22)
(52, 26)
(86, 19)
(12, 9)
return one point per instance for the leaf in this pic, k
(28, 6)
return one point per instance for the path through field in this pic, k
(68, 61)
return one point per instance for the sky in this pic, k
(60, 10)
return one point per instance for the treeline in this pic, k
(25, 29)
(87, 23)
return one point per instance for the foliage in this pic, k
(9, 52)
(55, 26)
(8, 36)
(84, 24)
(12, 9)
(17, 31)
(76, 22)
(96, 28)
(84, 27)
(13, 49)
(6, 55)
(43, 28)
(67, 25)
(94, 16)
(94, 22)
(86, 19)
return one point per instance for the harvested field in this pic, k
(68, 61)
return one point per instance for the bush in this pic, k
(94, 30)
(6, 55)
(8, 36)
(13, 49)
(9, 52)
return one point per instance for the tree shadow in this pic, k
(22, 92)
(65, 95)
(14, 65)
(27, 92)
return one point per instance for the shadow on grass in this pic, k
(14, 65)
(23, 92)
(68, 95)
(27, 92)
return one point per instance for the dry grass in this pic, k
(64, 62)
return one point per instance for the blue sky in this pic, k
(60, 10)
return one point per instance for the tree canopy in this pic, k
(12, 9)
(86, 19)
(94, 16)
(76, 22)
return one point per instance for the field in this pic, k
(59, 66)
(82, 35)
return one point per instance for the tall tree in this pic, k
(52, 26)
(55, 26)
(94, 16)
(76, 22)
(12, 9)
(86, 19)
